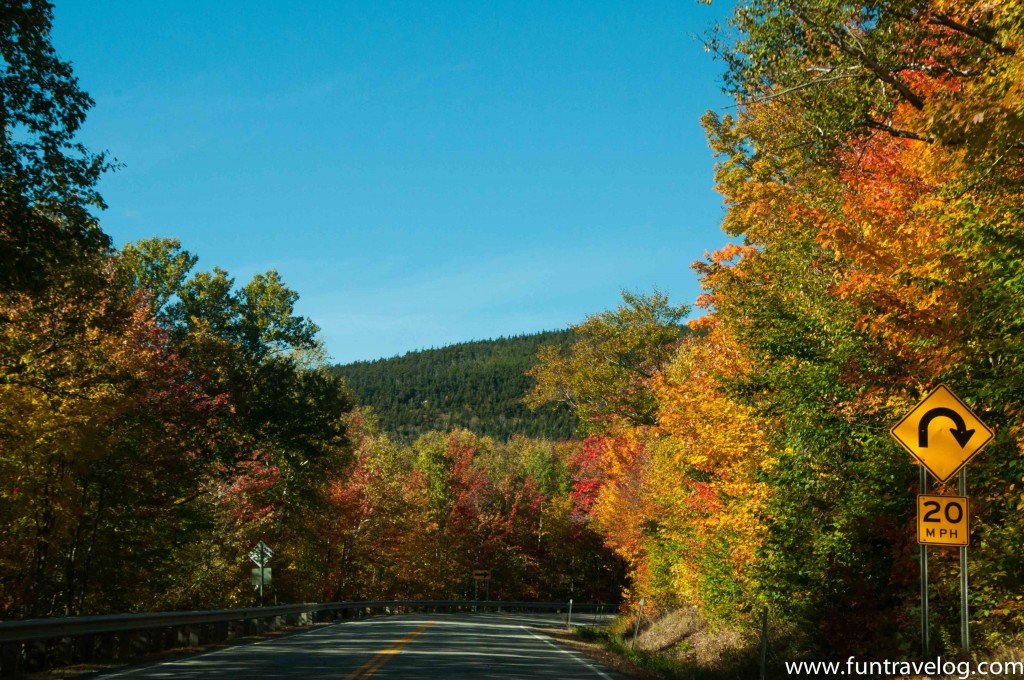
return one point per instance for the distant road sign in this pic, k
(942, 520)
(261, 576)
(926, 435)
(261, 554)
(482, 574)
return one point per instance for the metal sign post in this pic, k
(965, 633)
(485, 576)
(924, 578)
(260, 555)
(636, 631)
(764, 641)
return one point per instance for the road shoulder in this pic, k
(599, 653)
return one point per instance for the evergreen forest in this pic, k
(477, 385)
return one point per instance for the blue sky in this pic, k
(421, 173)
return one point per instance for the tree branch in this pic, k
(857, 51)
(802, 86)
(882, 74)
(896, 132)
(982, 33)
(937, 70)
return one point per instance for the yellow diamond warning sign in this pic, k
(942, 433)
(942, 520)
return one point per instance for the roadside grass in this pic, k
(670, 667)
(680, 646)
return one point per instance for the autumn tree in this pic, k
(375, 537)
(853, 168)
(105, 437)
(606, 376)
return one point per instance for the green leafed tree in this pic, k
(47, 180)
(604, 373)
(286, 434)
(845, 67)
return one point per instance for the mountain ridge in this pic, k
(477, 385)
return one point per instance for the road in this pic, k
(435, 646)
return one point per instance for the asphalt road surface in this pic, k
(435, 646)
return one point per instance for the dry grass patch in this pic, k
(670, 630)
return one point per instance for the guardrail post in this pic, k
(34, 659)
(161, 639)
(10, 658)
(85, 648)
(185, 636)
(123, 642)
(61, 652)
(105, 648)
(146, 641)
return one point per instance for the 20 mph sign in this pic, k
(942, 520)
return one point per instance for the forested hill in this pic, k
(476, 385)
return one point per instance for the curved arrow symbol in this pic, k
(961, 433)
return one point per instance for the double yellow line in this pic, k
(371, 666)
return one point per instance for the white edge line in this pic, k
(563, 650)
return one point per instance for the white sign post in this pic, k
(260, 555)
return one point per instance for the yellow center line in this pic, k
(371, 666)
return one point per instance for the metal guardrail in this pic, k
(37, 644)
(75, 626)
